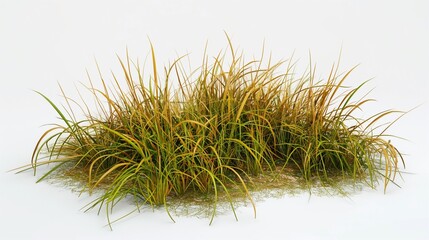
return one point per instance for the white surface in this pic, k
(42, 42)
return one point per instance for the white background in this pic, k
(45, 42)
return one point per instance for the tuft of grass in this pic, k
(225, 130)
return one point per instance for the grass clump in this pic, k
(226, 129)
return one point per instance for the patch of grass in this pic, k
(226, 130)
